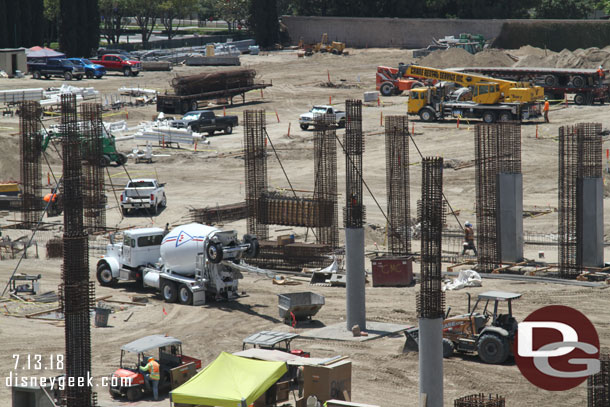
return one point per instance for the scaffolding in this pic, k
(580, 152)
(397, 184)
(497, 151)
(353, 146)
(76, 292)
(30, 147)
(325, 182)
(431, 301)
(94, 197)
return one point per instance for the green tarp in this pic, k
(228, 380)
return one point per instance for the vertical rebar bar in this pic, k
(31, 153)
(353, 145)
(76, 291)
(94, 197)
(397, 184)
(256, 169)
(325, 177)
(480, 400)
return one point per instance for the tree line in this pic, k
(78, 26)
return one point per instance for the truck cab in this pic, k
(126, 259)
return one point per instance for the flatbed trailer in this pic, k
(585, 84)
(176, 104)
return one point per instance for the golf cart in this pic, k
(488, 333)
(130, 382)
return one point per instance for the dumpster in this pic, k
(101, 316)
(302, 305)
(392, 271)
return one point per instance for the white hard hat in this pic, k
(467, 223)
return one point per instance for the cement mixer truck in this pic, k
(184, 264)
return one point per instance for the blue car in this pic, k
(91, 70)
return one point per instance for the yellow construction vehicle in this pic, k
(333, 47)
(478, 97)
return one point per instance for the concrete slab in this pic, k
(338, 332)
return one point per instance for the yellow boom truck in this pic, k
(458, 94)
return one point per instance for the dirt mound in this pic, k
(534, 61)
(492, 57)
(9, 164)
(452, 57)
(528, 50)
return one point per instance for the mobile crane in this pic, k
(479, 97)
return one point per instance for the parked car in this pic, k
(91, 70)
(306, 119)
(205, 121)
(143, 194)
(115, 62)
(55, 67)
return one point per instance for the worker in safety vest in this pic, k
(546, 110)
(50, 196)
(469, 239)
(153, 376)
(601, 73)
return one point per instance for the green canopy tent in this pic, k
(229, 381)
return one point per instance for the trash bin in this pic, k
(101, 316)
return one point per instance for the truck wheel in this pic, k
(417, 85)
(79, 77)
(448, 348)
(47, 76)
(112, 394)
(254, 246)
(578, 81)
(185, 296)
(127, 71)
(121, 159)
(550, 80)
(169, 291)
(125, 211)
(133, 393)
(580, 99)
(68, 76)
(214, 252)
(105, 161)
(304, 126)
(489, 117)
(89, 75)
(229, 129)
(341, 123)
(164, 201)
(426, 114)
(98, 76)
(505, 117)
(135, 73)
(211, 133)
(104, 275)
(36, 75)
(492, 349)
(386, 89)
(156, 209)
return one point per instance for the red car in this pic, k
(115, 62)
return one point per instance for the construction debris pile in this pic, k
(526, 56)
(210, 82)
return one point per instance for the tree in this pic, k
(206, 10)
(51, 20)
(231, 11)
(146, 13)
(78, 27)
(114, 17)
(564, 9)
(264, 22)
(172, 9)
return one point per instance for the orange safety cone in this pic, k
(289, 130)
(381, 119)
(536, 131)
(458, 122)
(224, 110)
(378, 102)
(328, 73)
(195, 145)
(412, 127)
(330, 100)
(277, 116)
(126, 115)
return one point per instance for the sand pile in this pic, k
(452, 57)
(9, 164)
(492, 57)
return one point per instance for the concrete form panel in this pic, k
(590, 210)
(510, 217)
(431, 361)
(354, 262)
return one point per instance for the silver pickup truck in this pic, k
(144, 193)
(307, 119)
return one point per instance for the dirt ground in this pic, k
(381, 374)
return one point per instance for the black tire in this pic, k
(550, 80)
(104, 275)
(133, 393)
(493, 349)
(304, 126)
(68, 76)
(125, 211)
(121, 159)
(135, 73)
(164, 201)
(448, 348)
(105, 161)
(99, 77)
(112, 394)
(185, 296)
(580, 99)
(89, 75)
(127, 72)
(214, 252)
(229, 129)
(489, 117)
(578, 81)
(417, 85)
(47, 76)
(36, 75)
(79, 77)
(590, 99)
(342, 123)
(386, 89)
(169, 291)
(211, 133)
(505, 117)
(334, 51)
(427, 114)
(156, 209)
(254, 246)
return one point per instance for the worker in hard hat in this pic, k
(469, 239)
(546, 110)
(600, 72)
(153, 376)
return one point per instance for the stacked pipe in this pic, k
(214, 81)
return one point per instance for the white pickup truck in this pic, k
(306, 119)
(144, 193)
